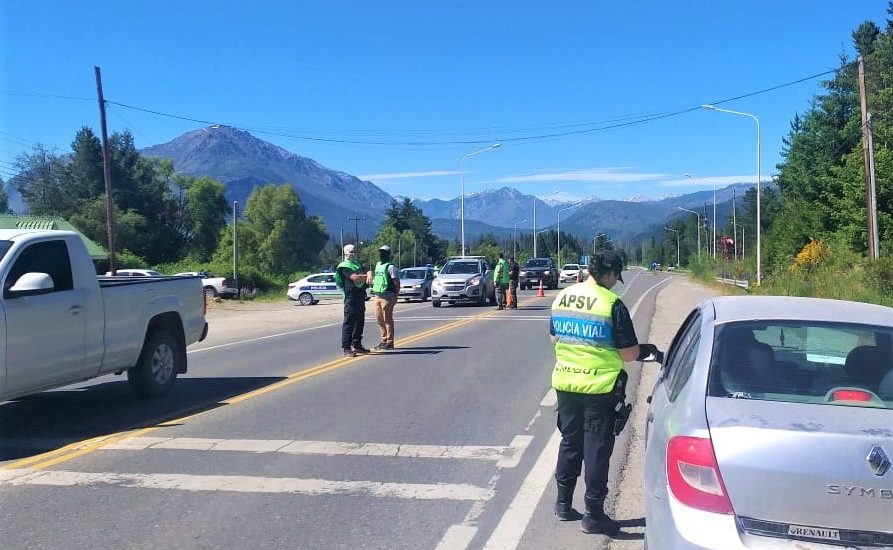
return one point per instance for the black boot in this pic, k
(564, 504)
(596, 522)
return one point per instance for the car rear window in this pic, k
(537, 263)
(413, 274)
(570, 267)
(816, 362)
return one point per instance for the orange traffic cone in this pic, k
(509, 297)
(539, 292)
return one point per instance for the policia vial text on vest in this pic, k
(593, 335)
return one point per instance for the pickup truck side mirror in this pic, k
(31, 284)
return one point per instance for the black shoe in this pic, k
(389, 346)
(599, 525)
(564, 504)
(566, 512)
(360, 350)
(348, 352)
(381, 347)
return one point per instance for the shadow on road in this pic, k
(638, 522)
(400, 351)
(49, 420)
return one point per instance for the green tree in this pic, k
(40, 180)
(84, 174)
(206, 209)
(4, 198)
(277, 236)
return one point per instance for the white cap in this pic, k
(348, 249)
(385, 247)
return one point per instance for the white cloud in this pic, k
(589, 175)
(408, 175)
(710, 181)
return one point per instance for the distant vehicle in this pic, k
(769, 427)
(571, 272)
(61, 324)
(415, 283)
(462, 280)
(313, 288)
(134, 273)
(536, 269)
(214, 286)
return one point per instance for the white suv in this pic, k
(464, 279)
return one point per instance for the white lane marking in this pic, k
(511, 527)
(254, 484)
(291, 332)
(519, 444)
(514, 521)
(505, 457)
(457, 537)
(550, 400)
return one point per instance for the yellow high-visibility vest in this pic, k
(586, 360)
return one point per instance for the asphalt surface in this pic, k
(279, 442)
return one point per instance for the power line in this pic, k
(572, 129)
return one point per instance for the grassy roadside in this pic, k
(836, 272)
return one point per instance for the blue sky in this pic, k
(439, 71)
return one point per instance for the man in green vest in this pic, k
(501, 280)
(385, 288)
(593, 336)
(349, 277)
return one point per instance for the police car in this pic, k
(313, 288)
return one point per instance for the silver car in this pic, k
(771, 426)
(464, 279)
(415, 283)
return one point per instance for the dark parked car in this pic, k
(535, 269)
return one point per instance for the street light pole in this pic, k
(712, 249)
(698, 215)
(462, 197)
(571, 207)
(759, 215)
(677, 244)
(514, 242)
(535, 198)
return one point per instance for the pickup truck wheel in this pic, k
(158, 365)
(210, 292)
(435, 302)
(305, 298)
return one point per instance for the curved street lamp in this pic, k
(759, 218)
(462, 198)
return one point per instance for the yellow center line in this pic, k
(80, 448)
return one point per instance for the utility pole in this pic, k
(111, 226)
(356, 229)
(341, 233)
(735, 221)
(868, 161)
(236, 247)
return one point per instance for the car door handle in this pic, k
(75, 310)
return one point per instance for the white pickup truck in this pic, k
(61, 324)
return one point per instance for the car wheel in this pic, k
(426, 295)
(435, 303)
(305, 298)
(210, 292)
(160, 361)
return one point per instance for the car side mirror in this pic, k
(31, 284)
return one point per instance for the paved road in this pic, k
(447, 442)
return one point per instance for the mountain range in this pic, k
(241, 161)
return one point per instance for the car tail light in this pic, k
(227, 282)
(850, 395)
(291, 285)
(693, 475)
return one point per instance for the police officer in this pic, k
(593, 336)
(386, 288)
(501, 280)
(514, 271)
(350, 278)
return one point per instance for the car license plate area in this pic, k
(846, 538)
(813, 533)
